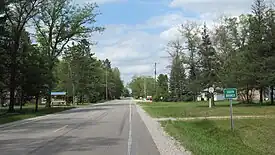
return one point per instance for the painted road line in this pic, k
(61, 128)
(130, 130)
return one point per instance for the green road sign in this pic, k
(230, 92)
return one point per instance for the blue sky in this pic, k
(137, 31)
(129, 12)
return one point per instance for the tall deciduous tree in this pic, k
(142, 86)
(18, 14)
(190, 33)
(34, 74)
(4, 42)
(61, 22)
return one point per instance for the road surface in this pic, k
(114, 128)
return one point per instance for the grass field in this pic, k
(200, 109)
(28, 112)
(209, 137)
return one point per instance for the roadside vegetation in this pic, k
(237, 52)
(211, 137)
(201, 109)
(45, 46)
(28, 112)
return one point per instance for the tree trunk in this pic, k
(13, 73)
(36, 102)
(2, 101)
(81, 99)
(49, 99)
(12, 89)
(247, 94)
(272, 94)
(261, 95)
(212, 98)
(21, 100)
(50, 85)
(2, 98)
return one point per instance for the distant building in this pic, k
(218, 95)
(254, 95)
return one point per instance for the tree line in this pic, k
(143, 86)
(54, 54)
(236, 52)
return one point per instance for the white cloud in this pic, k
(208, 11)
(167, 20)
(133, 51)
(170, 34)
(233, 7)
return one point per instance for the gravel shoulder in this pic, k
(165, 144)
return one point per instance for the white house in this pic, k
(217, 95)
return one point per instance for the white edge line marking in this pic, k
(60, 128)
(130, 130)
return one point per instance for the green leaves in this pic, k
(162, 88)
(60, 22)
(177, 78)
(142, 86)
(83, 76)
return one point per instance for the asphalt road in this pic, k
(114, 128)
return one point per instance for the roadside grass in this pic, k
(28, 112)
(209, 137)
(201, 109)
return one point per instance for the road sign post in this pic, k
(230, 93)
(231, 115)
(211, 91)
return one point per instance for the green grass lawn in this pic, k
(209, 137)
(200, 109)
(28, 112)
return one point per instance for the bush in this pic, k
(187, 98)
(157, 98)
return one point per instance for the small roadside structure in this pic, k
(218, 95)
(58, 98)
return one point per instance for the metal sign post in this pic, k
(231, 115)
(230, 93)
(211, 91)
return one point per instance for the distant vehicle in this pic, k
(149, 98)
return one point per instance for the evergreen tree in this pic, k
(258, 44)
(208, 62)
(177, 81)
(190, 33)
(162, 88)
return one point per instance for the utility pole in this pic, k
(155, 78)
(106, 84)
(144, 87)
